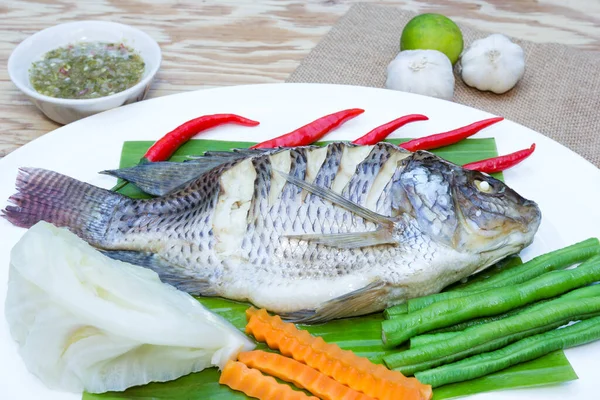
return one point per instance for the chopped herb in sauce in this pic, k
(87, 70)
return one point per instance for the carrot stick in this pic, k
(343, 366)
(254, 384)
(299, 374)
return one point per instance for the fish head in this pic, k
(467, 210)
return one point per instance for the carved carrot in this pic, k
(299, 374)
(343, 366)
(250, 381)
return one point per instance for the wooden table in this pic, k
(220, 43)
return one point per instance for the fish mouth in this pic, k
(533, 217)
(510, 236)
(493, 257)
(506, 244)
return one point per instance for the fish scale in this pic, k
(376, 226)
(290, 200)
(188, 205)
(329, 168)
(357, 189)
(384, 205)
(324, 178)
(298, 253)
(258, 207)
(303, 221)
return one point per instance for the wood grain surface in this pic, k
(221, 43)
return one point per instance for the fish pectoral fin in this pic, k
(349, 240)
(366, 300)
(166, 272)
(339, 200)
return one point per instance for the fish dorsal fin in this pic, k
(233, 153)
(339, 200)
(162, 178)
(362, 301)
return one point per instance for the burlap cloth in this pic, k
(559, 95)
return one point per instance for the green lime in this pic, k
(433, 32)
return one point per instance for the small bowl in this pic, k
(64, 111)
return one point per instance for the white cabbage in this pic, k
(85, 321)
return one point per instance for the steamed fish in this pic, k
(84, 321)
(312, 233)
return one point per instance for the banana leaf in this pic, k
(553, 368)
(550, 369)
(361, 334)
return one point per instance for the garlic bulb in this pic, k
(427, 72)
(494, 63)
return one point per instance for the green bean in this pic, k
(491, 302)
(523, 350)
(554, 260)
(588, 291)
(429, 338)
(398, 309)
(419, 303)
(488, 337)
(461, 326)
(500, 266)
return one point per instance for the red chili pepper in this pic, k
(164, 148)
(450, 137)
(497, 164)
(312, 131)
(383, 131)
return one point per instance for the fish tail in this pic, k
(44, 195)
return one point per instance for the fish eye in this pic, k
(483, 186)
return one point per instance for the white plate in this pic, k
(566, 187)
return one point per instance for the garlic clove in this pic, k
(425, 72)
(492, 64)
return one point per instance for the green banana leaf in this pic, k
(553, 368)
(361, 334)
(550, 369)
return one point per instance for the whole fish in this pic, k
(312, 233)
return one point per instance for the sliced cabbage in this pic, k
(84, 321)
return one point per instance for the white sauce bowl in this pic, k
(64, 111)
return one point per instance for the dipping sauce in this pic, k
(87, 70)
